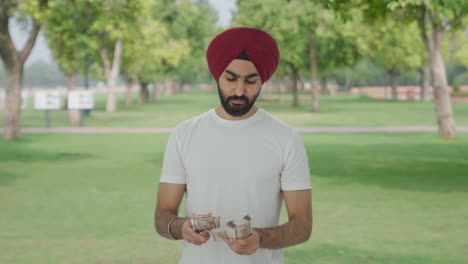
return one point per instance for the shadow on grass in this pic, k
(20, 153)
(415, 167)
(332, 254)
(7, 178)
(34, 155)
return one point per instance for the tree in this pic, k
(192, 22)
(395, 47)
(113, 19)
(308, 35)
(151, 50)
(455, 54)
(67, 35)
(438, 17)
(279, 19)
(335, 44)
(435, 19)
(195, 22)
(13, 59)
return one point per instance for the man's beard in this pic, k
(236, 110)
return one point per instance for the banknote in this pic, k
(204, 221)
(218, 234)
(240, 228)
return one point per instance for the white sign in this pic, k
(81, 99)
(2, 100)
(24, 100)
(47, 100)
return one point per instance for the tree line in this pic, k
(150, 42)
(140, 41)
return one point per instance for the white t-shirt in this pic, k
(234, 168)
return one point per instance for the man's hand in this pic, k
(193, 237)
(245, 246)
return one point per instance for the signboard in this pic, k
(24, 100)
(47, 100)
(81, 99)
(2, 100)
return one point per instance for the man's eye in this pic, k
(251, 81)
(230, 79)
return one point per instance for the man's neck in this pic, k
(224, 115)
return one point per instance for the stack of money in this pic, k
(201, 222)
(218, 234)
(240, 228)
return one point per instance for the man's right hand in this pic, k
(193, 237)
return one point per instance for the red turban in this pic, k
(260, 47)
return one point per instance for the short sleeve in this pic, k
(173, 170)
(295, 174)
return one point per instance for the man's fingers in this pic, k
(194, 238)
(233, 245)
(205, 234)
(241, 250)
(242, 246)
(240, 242)
(243, 242)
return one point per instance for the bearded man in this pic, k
(236, 159)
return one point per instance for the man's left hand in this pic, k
(245, 246)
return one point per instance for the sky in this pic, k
(41, 51)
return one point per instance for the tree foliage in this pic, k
(149, 48)
(193, 22)
(395, 46)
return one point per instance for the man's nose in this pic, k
(239, 89)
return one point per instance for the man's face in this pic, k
(239, 87)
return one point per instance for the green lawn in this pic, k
(378, 198)
(335, 111)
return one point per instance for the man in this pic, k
(235, 160)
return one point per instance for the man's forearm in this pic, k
(291, 233)
(162, 220)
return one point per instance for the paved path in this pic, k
(163, 130)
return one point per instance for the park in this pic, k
(388, 165)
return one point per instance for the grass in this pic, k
(335, 111)
(378, 198)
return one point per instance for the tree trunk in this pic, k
(12, 115)
(168, 87)
(394, 81)
(144, 93)
(177, 87)
(282, 90)
(314, 77)
(112, 72)
(300, 85)
(156, 92)
(13, 60)
(425, 82)
(332, 86)
(324, 89)
(425, 69)
(348, 80)
(73, 114)
(276, 85)
(442, 101)
(294, 85)
(270, 90)
(129, 91)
